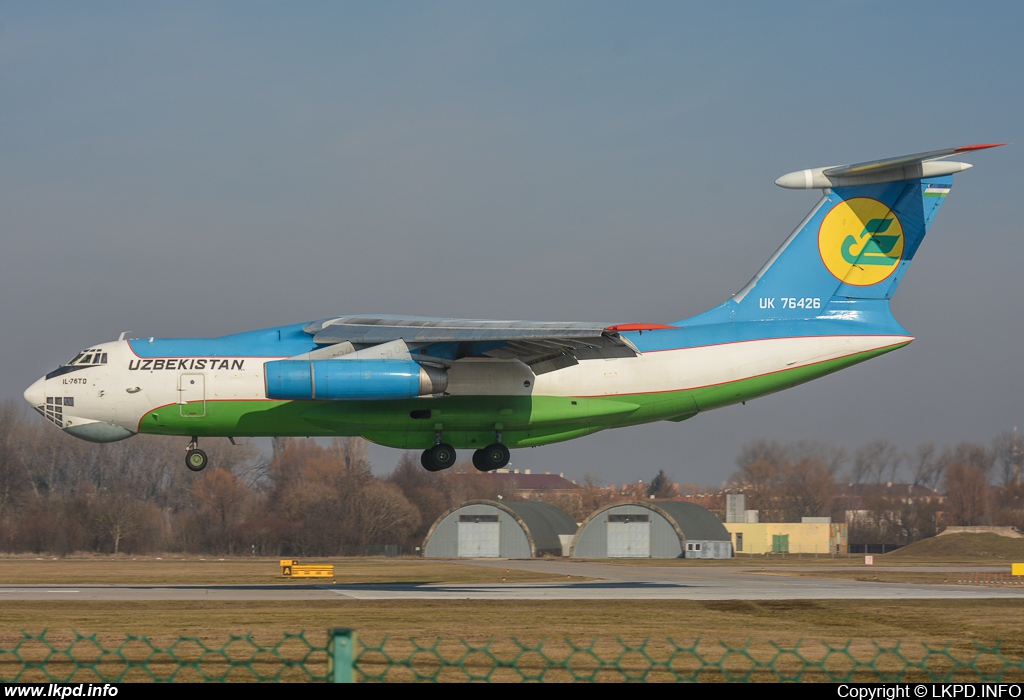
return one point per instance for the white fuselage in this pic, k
(107, 401)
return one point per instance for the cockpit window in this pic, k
(88, 357)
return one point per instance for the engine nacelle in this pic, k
(351, 380)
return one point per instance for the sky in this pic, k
(196, 169)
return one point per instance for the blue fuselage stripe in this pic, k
(288, 341)
(283, 341)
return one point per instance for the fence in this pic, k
(341, 657)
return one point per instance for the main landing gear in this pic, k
(492, 457)
(442, 455)
(195, 459)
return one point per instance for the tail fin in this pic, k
(852, 250)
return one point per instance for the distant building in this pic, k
(736, 509)
(890, 514)
(534, 486)
(510, 530)
(652, 529)
(824, 538)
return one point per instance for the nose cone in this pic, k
(36, 394)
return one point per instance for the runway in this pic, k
(583, 581)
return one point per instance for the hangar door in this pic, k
(629, 535)
(479, 536)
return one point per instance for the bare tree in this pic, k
(387, 516)
(761, 479)
(117, 517)
(14, 482)
(1008, 453)
(831, 458)
(926, 466)
(876, 463)
(762, 451)
(425, 490)
(808, 488)
(967, 494)
(970, 454)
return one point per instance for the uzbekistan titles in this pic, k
(186, 363)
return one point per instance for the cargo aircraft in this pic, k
(818, 305)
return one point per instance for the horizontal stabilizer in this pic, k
(916, 165)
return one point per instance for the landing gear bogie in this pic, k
(492, 457)
(439, 457)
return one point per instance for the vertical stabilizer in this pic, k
(846, 259)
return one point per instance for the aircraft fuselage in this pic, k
(217, 387)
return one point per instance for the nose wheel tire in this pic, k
(196, 460)
(492, 457)
(438, 457)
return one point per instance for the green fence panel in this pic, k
(343, 657)
(81, 658)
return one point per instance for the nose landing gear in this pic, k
(195, 459)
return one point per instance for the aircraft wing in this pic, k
(544, 345)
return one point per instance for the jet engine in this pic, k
(352, 380)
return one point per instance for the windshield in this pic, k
(88, 357)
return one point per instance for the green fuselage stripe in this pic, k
(471, 421)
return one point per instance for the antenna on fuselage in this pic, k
(123, 334)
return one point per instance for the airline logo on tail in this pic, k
(861, 241)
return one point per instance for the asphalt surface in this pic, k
(584, 581)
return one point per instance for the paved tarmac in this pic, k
(584, 581)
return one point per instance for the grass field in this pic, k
(986, 621)
(968, 548)
(935, 622)
(757, 625)
(885, 634)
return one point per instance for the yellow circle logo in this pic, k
(861, 241)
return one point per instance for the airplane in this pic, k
(819, 304)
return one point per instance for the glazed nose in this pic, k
(36, 394)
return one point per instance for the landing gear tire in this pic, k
(196, 460)
(438, 457)
(492, 457)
